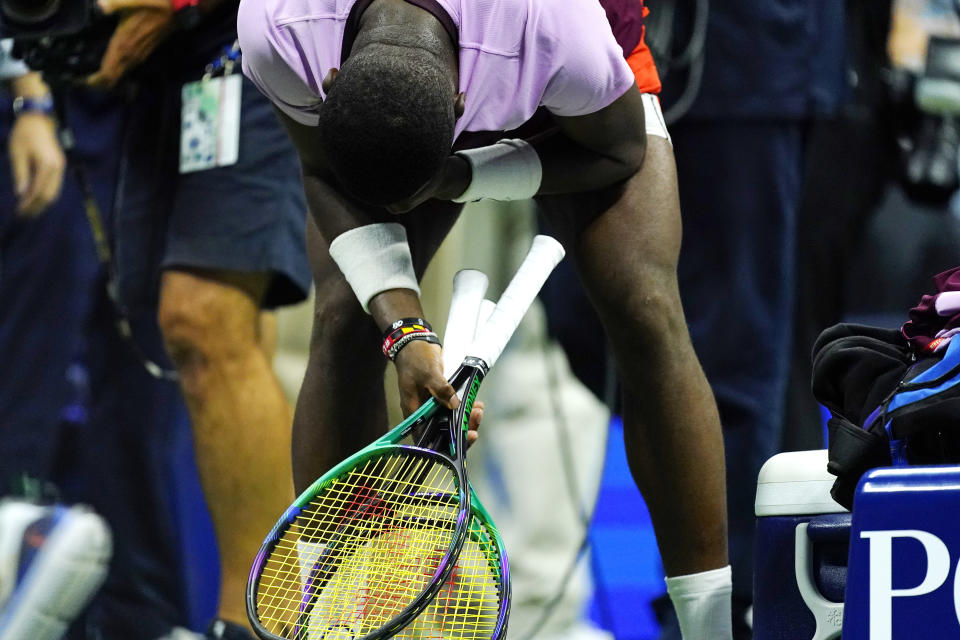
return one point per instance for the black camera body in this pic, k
(65, 39)
(31, 19)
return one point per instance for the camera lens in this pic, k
(29, 11)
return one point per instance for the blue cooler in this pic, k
(800, 558)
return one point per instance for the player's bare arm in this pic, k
(419, 366)
(584, 153)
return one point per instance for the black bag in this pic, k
(888, 406)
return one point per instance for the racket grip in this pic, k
(469, 287)
(544, 255)
(486, 310)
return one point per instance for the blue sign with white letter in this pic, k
(904, 573)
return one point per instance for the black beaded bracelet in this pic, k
(426, 336)
(401, 328)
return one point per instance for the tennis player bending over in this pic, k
(415, 106)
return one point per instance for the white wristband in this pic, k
(507, 170)
(375, 258)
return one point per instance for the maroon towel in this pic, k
(925, 323)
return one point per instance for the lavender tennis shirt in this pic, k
(515, 55)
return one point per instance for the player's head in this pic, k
(387, 122)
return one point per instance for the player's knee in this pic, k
(649, 336)
(646, 315)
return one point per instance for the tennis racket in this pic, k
(370, 546)
(474, 603)
(480, 583)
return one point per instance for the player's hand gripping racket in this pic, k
(375, 542)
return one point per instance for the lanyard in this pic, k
(224, 63)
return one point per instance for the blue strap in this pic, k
(951, 360)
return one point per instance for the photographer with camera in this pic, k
(53, 555)
(204, 238)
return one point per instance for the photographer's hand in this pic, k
(143, 25)
(35, 156)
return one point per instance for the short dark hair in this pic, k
(387, 123)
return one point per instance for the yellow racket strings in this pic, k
(361, 550)
(468, 605)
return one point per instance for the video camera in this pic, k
(65, 39)
(43, 18)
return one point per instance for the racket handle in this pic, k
(469, 287)
(486, 310)
(544, 255)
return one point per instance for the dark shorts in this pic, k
(626, 20)
(249, 217)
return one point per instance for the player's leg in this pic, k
(627, 258)
(739, 241)
(341, 405)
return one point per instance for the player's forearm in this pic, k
(370, 248)
(333, 212)
(516, 169)
(569, 167)
(594, 150)
(582, 154)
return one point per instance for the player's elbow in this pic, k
(634, 154)
(629, 158)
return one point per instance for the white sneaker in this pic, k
(52, 560)
(580, 630)
(179, 633)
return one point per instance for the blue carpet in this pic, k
(626, 564)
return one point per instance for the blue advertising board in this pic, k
(904, 579)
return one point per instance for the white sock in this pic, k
(702, 603)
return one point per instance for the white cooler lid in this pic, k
(796, 483)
